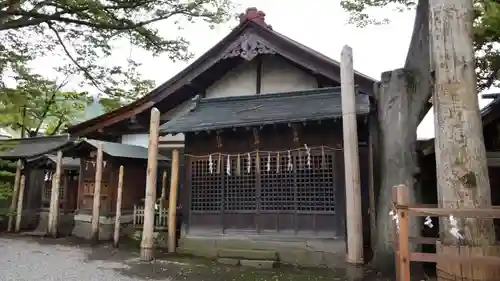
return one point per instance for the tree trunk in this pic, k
(398, 136)
(402, 101)
(462, 172)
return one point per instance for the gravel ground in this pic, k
(38, 259)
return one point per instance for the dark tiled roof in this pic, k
(219, 113)
(32, 147)
(121, 150)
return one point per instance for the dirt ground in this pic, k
(29, 258)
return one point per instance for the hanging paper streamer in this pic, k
(308, 152)
(257, 162)
(268, 164)
(86, 165)
(210, 164)
(290, 164)
(428, 222)
(104, 162)
(454, 228)
(238, 165)
(46, 176)
(323, 158)
(278, 162)
(395, 218)
(228, 166)
(219, 163)
(249, 163)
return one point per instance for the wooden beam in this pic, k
(54, 198)
(351, 160)
(19, 213)
(114, 119)
(147, 242)
(96, 207)
(172, 207)
(118, 214)
(15, 191)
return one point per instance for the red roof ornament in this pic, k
(254, 15)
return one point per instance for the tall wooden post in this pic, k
(15, 191)
(19, 212)
(96, 207)
(462, 171)
(172, 206)
(54, 198)
(402, 200)
(147, 242)
(351, 160)
(163, 188)
(118, 207)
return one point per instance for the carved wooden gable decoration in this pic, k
(248, 46)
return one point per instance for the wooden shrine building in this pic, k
(261, 93)
(133, 158)
(41, 171)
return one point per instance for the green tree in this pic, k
(39, 106)
(486, 31)
(86, 32)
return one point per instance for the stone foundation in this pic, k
(305, 252)
(83, 226)
(66, 223)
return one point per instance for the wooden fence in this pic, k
(161, 217)
(455, 262)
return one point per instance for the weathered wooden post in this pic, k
(118, 215)
(351, 160)
(172, 206)
(147, 242)
(54, 198)
(402, 201)
(15, 191)
(19, 212)
(96, 207)
(462, 171)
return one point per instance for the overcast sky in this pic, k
(319, 24)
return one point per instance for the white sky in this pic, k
(319, 24)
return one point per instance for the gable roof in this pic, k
(247, 36)
(232, 112)
(32, 147)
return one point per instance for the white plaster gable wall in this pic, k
(241, 81)
(142, 140)
(278, 75)
(136, 139)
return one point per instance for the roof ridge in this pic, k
(318, 91)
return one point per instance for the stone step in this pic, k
(258, 263)
(247, 254)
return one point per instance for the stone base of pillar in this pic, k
(146, 254)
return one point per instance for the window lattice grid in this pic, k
(206, 187)
(47, 192)
(240, 186)
(315, 184)
(277, 185)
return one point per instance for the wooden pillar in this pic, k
(147, 242)
(351, 160)
(172, 207)
(19, 212)
(96, 207)
(118, 207)
(15, 191)
(54, 198)
(402, 200)
(163, 188)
